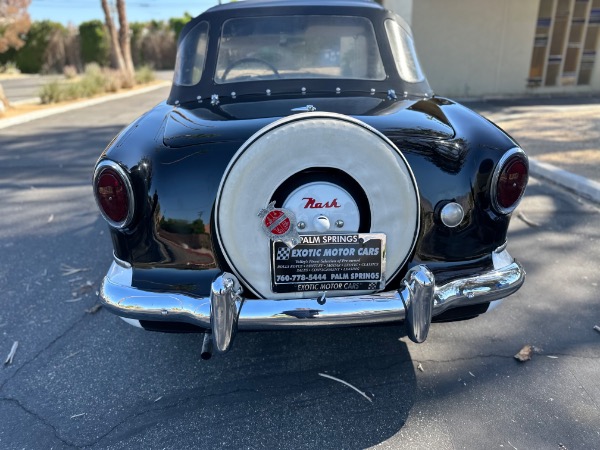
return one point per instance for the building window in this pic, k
(566, 43)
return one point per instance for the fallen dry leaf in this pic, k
(94, 309)
(525, 353)
(11, 355)
(86, 288)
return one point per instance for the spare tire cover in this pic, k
(304, 141)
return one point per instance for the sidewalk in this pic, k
(559, 135)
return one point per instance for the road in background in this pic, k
(83, 378)
(27, 87)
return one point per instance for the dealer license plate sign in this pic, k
(330, 262)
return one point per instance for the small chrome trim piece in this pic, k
(107, 164)
(494, 186)
(391, 94)
(214, 99)
(307, 108)
(117, 294)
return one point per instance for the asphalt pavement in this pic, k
(81, 378)
(560, 134)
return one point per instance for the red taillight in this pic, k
(113, 194)
(510, 181)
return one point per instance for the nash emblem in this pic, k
(279, 224)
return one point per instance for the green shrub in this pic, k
(52, 92)
(94, 81)
(144, 75)
(30, 58)
(70, 72)
(10, 68)
(94, 42)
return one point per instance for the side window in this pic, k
(191, 55)
(405, 54)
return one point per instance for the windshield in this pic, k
(294, 47)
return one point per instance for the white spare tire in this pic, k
(289, 146)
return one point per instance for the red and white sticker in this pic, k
(279, 224)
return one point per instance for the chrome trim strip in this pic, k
(127, 181)
(121, 298)
(494, 186)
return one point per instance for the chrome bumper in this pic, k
(226, 310)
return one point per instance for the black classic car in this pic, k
(302, 173)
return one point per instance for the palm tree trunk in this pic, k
(114, 39)
(124, 37)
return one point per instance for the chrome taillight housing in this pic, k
(509, 180)
(114, 194)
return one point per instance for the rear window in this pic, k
(294, 47)
(191, 56)
(405, 55)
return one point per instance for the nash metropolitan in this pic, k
(301, 173)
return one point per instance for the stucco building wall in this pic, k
(474, 48)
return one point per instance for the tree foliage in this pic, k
(30, 58)
(177, 23)
(94, 43)
(14, 22)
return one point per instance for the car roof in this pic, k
(273, 3)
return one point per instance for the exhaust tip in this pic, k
(207, 345)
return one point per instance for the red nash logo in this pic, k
(312, 203)
(279, 224)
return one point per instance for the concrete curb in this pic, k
(582, 186)
(24, 118)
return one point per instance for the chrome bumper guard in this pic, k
(226, 310)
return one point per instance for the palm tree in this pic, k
(120, 41)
